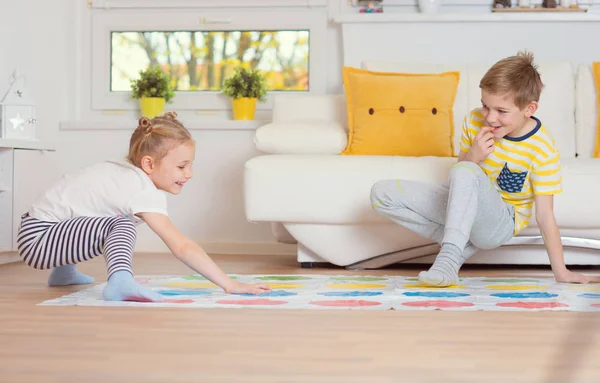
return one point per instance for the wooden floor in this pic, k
(92, 344)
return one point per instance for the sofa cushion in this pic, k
(399, 114)
(461, 104)
(291, 107)
(301, 137)
(336, 189)
(327, 189)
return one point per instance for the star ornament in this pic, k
(17, 122)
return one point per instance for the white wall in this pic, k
(36, 36)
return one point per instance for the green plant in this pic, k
(245, 83)
(153, 82)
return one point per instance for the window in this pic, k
(200, 61)
(199, 48)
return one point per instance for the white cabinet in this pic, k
(24, 175)
(6, 199)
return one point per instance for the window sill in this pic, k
(226, 125)
(402, 17)
(25, 144)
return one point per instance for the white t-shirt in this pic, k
(105, 189)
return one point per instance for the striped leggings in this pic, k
(44, 245)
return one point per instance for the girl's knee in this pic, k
(124, 224)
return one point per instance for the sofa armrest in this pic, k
(301, 137)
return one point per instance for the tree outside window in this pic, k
(201, 60)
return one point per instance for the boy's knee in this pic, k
(486, 242)
(379, 192)
(466, 169)
(483, 244)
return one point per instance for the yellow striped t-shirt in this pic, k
(519, 167)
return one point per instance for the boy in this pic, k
(507, 161)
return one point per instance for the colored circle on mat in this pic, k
(251, 302)
(427, 287)
(538, 295)
(283, 278)
(346, 303)
(435, 294)
(516, 287)
(178, 301)
(438, 304)
(585, 287)
(275, 293)
(532, 305)
(191, 285)
(351, 293)
(510, 280)
(592, 296)
(285, 285)
(359, 279)
(596, 305)
(183, 292)
(355, 286)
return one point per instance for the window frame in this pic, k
(103, 22)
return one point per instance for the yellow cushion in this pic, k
(403, 114)
(596, 71)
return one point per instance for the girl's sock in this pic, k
(122, 287)
(68, 275)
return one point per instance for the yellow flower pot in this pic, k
(152, 106)
(244, 108)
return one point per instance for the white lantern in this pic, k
(17, 111)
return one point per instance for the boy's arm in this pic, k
(544, 205)
(190, 253)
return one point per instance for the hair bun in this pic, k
(171, 115)
(145, 125)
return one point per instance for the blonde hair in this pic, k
(152, 137)
(517, 75)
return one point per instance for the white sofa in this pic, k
(320, 199)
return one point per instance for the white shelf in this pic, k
(231, 125)
(189, 4)
(26, 144)
(405, 17)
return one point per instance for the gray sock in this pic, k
(444, 271)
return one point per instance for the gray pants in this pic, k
(468, 213)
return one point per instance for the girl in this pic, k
(95, 211)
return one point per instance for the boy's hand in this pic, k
(483, 145)
(571, 277)
(245, 288)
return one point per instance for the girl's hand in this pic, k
(245, 288)
(571, 277)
